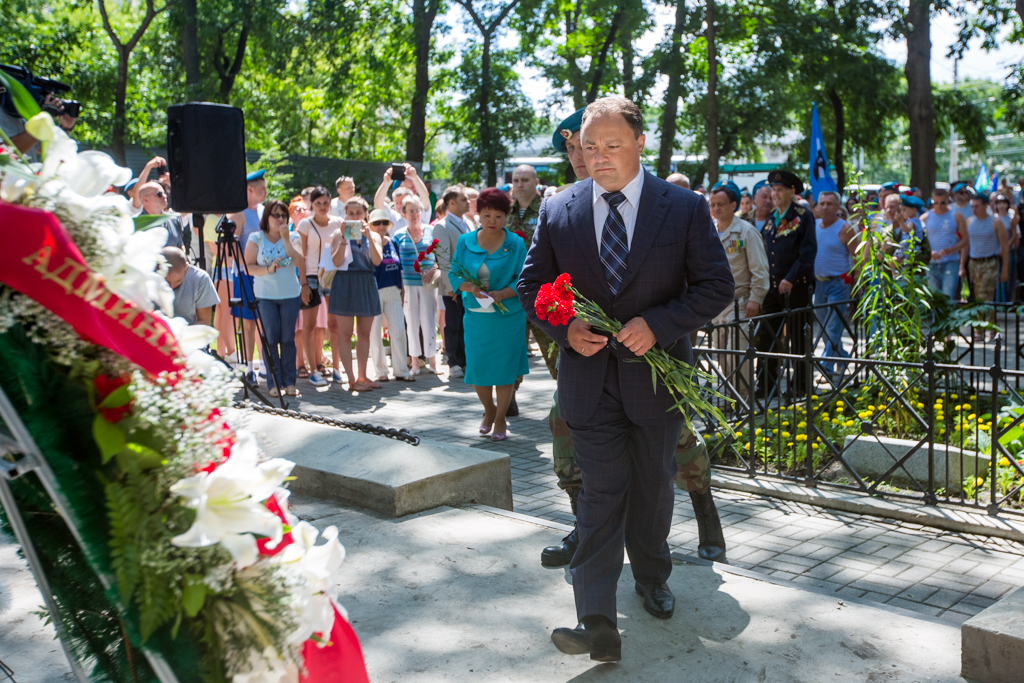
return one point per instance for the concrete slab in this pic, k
(871, 456)
(390, 477)
(993, 642)
(27, 644)
(459, 594)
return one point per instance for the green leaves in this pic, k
(108, 437)
(23, 100)
(145, 221)
(193, 595)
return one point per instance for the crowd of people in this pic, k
(333, 267)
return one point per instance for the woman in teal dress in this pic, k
(495, 340)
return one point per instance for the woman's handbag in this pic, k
(314, 293)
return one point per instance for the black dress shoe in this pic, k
(595, 635)
(513, 408)
(658, 599)
(711, 541)
(561, 554)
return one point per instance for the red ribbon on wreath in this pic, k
(40, 260)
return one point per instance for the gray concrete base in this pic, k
(993, 642)
(387, 476)
(951, 518)
(27, 644)
(871, 456)
(459, 595)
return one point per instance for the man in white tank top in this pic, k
(945, 229)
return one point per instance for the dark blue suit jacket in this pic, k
(678, 279)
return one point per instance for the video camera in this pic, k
(39, 88)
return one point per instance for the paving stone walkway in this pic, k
(941, 574)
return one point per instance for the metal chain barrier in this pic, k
(399, 434)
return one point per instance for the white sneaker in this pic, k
(455, 371)
(317, 380)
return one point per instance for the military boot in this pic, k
(561, 554)
(711, 541)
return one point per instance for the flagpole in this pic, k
(954, 163)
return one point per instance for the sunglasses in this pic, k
(380, 222)
(279, 216)
(159, 194)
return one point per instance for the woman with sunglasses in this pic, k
(272, 255)
(316, 232)
(388, 275)
(298, 211)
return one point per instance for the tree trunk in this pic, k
(602, 57)
(190, 50)
(712, 130)
(837, 155)
(424, 12)
(627, 67)
(920, 109)
(228, 72)
(673, 68)
(1020, 12)
(485, 119)
(118, 133)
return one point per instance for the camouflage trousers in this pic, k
(548, 348)
(984, 273)
(692, 461)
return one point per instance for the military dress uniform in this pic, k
(791, 246)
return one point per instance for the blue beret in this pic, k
(983, 196)
(730, 187)
(569, 125)
(891, 185)
(912, 201)
(255, 175)
(758, 185)
(505, 188)
(130, 184)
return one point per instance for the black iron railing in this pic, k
(945, 429)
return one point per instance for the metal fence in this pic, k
(947, 429)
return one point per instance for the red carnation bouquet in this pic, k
(560, 302)
(456, 268)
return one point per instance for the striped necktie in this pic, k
(614, 244)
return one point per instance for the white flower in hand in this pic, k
(229, 502)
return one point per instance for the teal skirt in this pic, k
(495, 347)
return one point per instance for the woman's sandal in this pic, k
(485, 428)
(499, 437)
(369, 382)
(303, 372)
(359, 385)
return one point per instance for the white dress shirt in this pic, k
(457, 223)
(627, 209)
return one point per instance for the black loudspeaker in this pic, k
(206, 158)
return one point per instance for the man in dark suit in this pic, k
(646, 252)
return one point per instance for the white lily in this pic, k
(316, 564)
(229, 502)
(192, 339)
(133, 272)
(89, 174)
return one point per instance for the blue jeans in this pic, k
(831, 319)
(279, 316)
(945, 277)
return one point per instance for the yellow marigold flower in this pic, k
(758, 431)
(815, 445)
(785, 424)
(840, 404)
(842, 391)
(790, 444)
(785, 435)
(953, 396)
(967, 406)
(775, 431)
(1004, 462)
(746, 446)
(971, 416)
(979, 481)
(801, 437)
(801, 425)
(850, 423)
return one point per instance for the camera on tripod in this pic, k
(40, 89)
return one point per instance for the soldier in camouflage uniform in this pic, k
(694, 475)
(523, 219)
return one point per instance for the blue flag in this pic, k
(821, 178)
(983, 183)
(995, 181)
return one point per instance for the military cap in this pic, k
(786, 179)
(891, 185)
(730, 188)
(255, 175)
(566, 128)
(911, 200)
